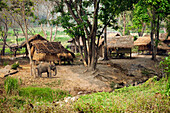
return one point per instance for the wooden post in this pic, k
(130, 53)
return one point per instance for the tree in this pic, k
(153, 11)
(81, 19)
(44, 8)
(5, 22)
(21, 11)
(140, 19)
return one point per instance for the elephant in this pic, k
(65, 57)
(46, 67)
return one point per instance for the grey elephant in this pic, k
(46, 67)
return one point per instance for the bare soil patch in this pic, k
(114, 73)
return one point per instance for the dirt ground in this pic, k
(75, 78)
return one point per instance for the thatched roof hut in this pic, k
(118, 41)
(49, 51)
(120, 44)
(165, 38)
(36, 38)
(72, 45)
(144, 43)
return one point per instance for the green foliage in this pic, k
(11, 85)
(5, 63)
(42, 94)
(165, 64)
(15, 65)
(148, 97)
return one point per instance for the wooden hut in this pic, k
(51, 52)
(119, 44)
(34, 39)
(72, 45)
(165, 38)
(144, 44)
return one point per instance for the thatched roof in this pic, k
(113, 34)
(119, 41)
(164, 36)
(36, 38)
(143, 41)
(73, 39)
(163, 46)
(51, 48)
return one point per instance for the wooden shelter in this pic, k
(165, 38)
(50, 52)
(72, 45)
(119, 44)
(34, 39)
(144, 44)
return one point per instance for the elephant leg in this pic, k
(39, 73)
(49, 72)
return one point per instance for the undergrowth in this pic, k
(149, 97)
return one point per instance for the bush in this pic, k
(11, 85)
(165, 64)
(15, 65)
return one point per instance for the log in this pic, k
(11, 73)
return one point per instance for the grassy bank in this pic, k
(150, 97)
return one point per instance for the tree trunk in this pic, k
(3, 49)
(124, 23)
(143, 29)
(45, 35)
(152, 39)
(32, 71)
(85, 48)
(55, 33)
(105, 44)
(51, 33)
(81, 52)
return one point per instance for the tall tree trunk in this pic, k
(124, 23)
(85, 48)
(55, 33)
(45, 35)
(32, 71)
(143, 29)
(81, 52)
(3, 48)
(51, 33)
(152, 38)
(105, 44)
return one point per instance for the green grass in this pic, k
(62, 39)
(149, 97)
(42, 94)
(11, 85)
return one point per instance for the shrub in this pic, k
(5, 63)
(15, 65)
(11, 85)
(165, 64)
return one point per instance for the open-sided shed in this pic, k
(144, 44)
(120, 44)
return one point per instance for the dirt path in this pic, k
(75, 78)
